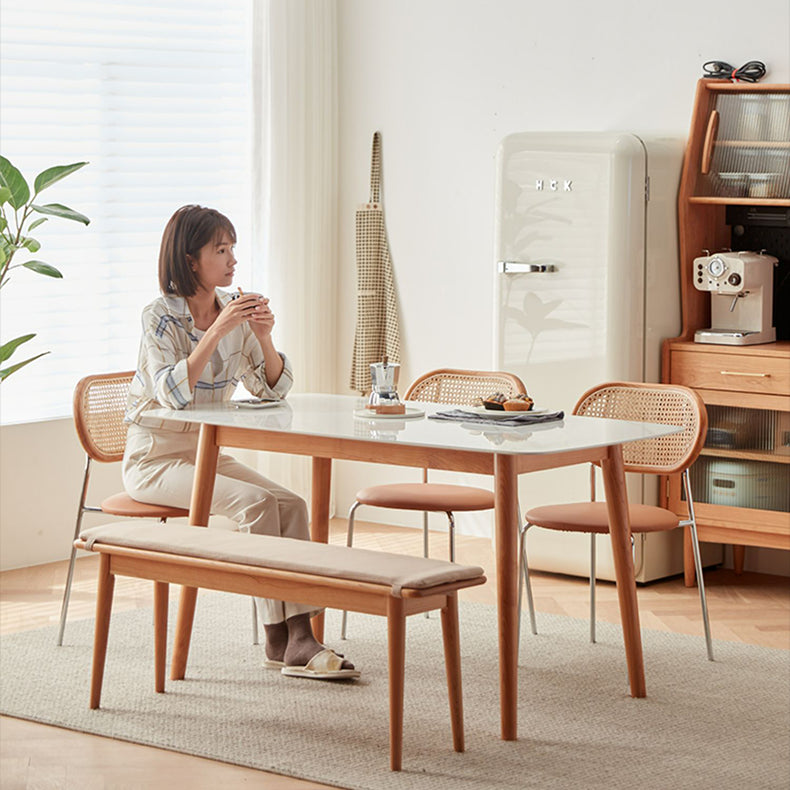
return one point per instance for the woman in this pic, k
(198, 342)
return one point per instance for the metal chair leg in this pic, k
(255, 640)
(451, 528)
(592, 561)
(524, 582)
(592, 587)
(64, 608)
(349, 542)
(698, 564)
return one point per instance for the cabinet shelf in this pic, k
(746, 455)
(753, 143)
(740, 201)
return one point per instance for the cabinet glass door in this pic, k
(747, 147)
(745, 461)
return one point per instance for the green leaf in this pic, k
(6, 372)
(11, 178)
(53, 174)
(8, 348)
(4, 224)
(42, 268)
(31, 244)
(59, 210)
(34, 225)
(5, 194)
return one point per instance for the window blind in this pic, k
(156, 96)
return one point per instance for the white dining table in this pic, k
(326, 427)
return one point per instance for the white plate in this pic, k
(255, 403)
(369, 414)
(496, 414)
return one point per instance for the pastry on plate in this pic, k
(520, 402)
(495, 401)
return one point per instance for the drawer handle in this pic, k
(739, 373)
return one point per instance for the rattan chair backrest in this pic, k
(462, 387)
(99, 408)
(662, 403)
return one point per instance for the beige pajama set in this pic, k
(159, 463)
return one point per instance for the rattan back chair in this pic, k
(99, 407)
(450, 386)
(462, 387)
(666, 455)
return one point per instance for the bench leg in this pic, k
(396, 644)
(101, 628)
(452, 661)
(186, 614)
(161, 594)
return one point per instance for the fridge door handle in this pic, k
(516, 267)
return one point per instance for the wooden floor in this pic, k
(751, 608)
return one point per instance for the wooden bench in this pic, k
(360, 580)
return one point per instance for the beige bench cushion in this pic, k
(378, 567)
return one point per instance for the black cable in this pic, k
(719, 70)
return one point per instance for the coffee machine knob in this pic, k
(734, 279)
(716, 267)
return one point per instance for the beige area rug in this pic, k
(704, 725)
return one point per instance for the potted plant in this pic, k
(18, 207)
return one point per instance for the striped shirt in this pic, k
(161, 379)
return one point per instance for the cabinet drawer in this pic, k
(736, 372)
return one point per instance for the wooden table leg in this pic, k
(689, 571)
(319, 519)
(620, 534)
(506, 527)
(199, 512)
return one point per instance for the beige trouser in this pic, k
(159, 468)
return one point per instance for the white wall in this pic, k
(444, 81)
(41, 471)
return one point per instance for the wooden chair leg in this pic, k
(396, 649)
(186, 614)
(161, 594)
(101, 628)
(452, 661)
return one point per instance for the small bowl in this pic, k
(733, 184)
(763, 185)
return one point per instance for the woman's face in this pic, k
(215, 263)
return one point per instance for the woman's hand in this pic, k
(262, 321)
(244, 308)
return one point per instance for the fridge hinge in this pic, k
(647, 189)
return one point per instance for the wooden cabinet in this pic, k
(735, 194)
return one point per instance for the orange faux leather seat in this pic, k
(593, 517)
(433, 497)
(122, 504)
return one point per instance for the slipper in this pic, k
(325, 665)
(273, 663)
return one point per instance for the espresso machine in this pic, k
(741, 288)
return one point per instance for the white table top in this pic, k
(333, 416)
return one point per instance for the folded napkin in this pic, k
(517, 418)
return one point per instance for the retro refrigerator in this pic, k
(586, 269)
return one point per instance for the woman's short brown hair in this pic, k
(186, 233)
